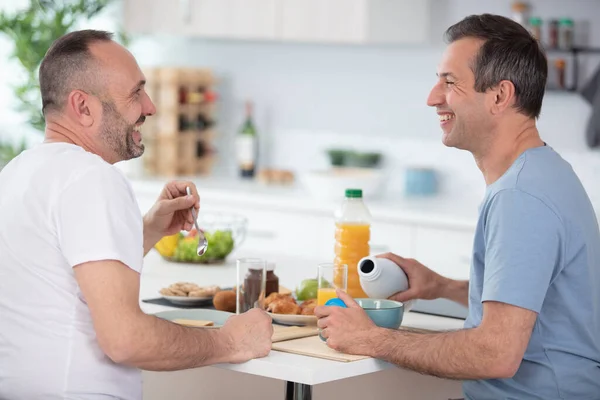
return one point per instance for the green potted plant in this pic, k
(32, 30)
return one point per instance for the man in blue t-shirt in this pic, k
(533, 330)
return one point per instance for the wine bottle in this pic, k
(203, 122)
(247, 144)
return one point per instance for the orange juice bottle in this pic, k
(352, 235)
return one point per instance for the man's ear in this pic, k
(80, 106)
(504, 97)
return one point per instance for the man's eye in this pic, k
(449, 83)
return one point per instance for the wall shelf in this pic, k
(179, 138)
(574, 53)
(574, 50)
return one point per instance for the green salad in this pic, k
(220, 244)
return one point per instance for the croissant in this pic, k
(277, 296)
(284, 306)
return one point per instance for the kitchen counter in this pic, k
(158, 273)
(457, 212)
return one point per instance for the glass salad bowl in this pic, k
(224, 232)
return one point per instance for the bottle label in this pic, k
(245, 151)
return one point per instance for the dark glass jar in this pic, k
(252, 289)
(535, 26)
(253, 286)
(565, 34)
(560, 65)
(553, 34)
(272, 284)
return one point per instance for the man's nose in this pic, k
(436, 96)
(148, 107)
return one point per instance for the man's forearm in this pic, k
(459, 354)
(150, 239)
(457, 291)
(159, 345)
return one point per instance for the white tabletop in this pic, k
(158, 273)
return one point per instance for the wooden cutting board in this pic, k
(314, 347)
(283, 333)
(280, 332)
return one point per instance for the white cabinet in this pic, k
(152, 16)
(274, 231)
(206, 18)
(317, 21)
(137, 18)
(254, 19)
(355, 21)
(280, 232)
(240, 19)
(341, 21)
(392, 238)
(398, 21)
(446, 251)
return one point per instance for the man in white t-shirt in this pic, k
(72, 242)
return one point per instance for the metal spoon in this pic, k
(202, 242)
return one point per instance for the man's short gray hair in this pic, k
(509, 52)
(67, 66)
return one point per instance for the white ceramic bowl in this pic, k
(331, 184)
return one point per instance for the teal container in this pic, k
(384, 313)
(420, 182)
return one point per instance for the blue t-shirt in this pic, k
(537, 246)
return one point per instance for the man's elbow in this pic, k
(505, 367)
(119, 348)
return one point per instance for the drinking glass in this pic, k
(331, 277)
(251, 284)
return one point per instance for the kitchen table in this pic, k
(300, 372)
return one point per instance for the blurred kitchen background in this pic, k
(336, 74)
(336, 90)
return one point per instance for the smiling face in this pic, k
(464, 113)
(124, 103)
(121, 136)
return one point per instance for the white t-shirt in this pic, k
(61, 206)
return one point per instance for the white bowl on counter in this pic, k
(331, 184)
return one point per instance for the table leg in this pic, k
(297, 391)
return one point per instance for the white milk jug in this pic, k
(381, 278)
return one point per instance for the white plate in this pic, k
(294, 319)
(187, 300)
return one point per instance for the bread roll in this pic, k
(225, 300)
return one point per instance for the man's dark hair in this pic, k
(67, 66)
(509, 52)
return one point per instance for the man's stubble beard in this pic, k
(475, 137)
(118, 134)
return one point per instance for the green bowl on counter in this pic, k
(384, 313)
(351, 158)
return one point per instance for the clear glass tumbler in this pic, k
(331, 277)
(251, 284)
